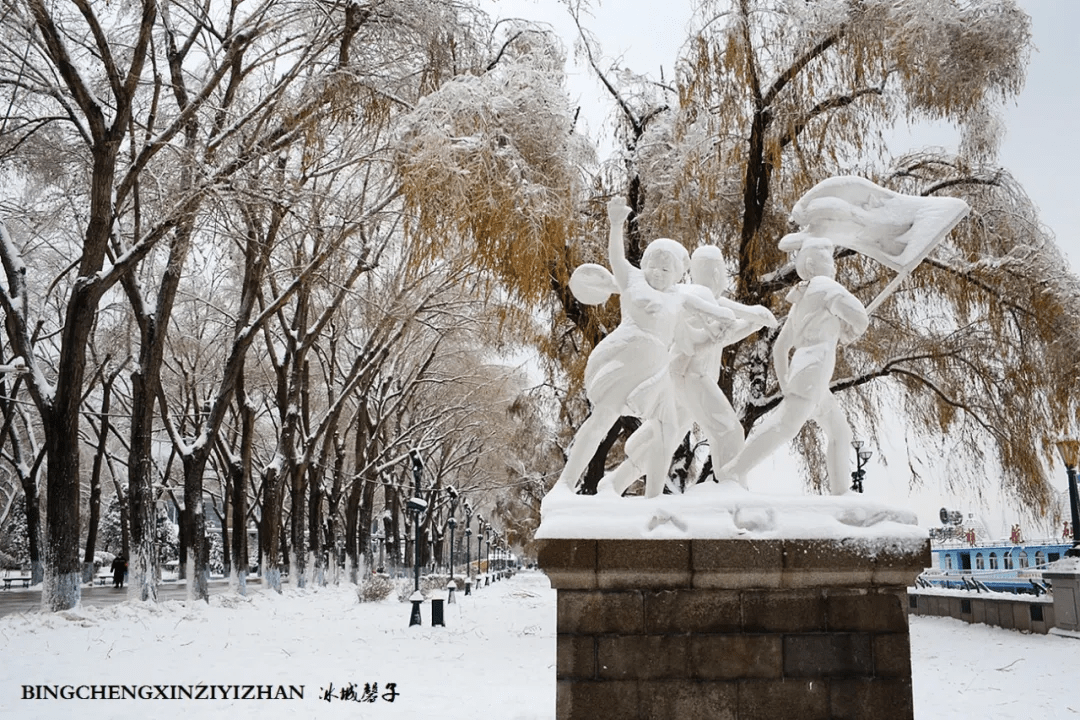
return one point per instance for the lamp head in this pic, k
(1069, 449)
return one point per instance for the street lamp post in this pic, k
(861, 458)
(1070, 454)
(416, 505)
(451, 523)
(468, 541)
(451, 586)
(479, 547)
(382, 553)
(487, 557)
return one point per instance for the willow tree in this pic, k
(770, 97)
(495, 173)
(490, 168)
(977, 350)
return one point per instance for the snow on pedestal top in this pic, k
(723, 511)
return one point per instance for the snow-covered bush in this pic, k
(428, 585)
(375, 588)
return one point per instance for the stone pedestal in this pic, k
(1064, 576)
(739, 629)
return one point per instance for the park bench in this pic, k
(25, 580)
(104, 578)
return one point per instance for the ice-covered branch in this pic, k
(14, 302)
(823, 107)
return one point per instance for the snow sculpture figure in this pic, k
(697, 355)
(627, 372)
(822, 315)
(694, 369)
(897, 230)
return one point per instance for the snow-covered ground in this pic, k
(494, 659)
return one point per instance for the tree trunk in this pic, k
(60, 414)
(352, 521)
(198, 575)
(269, 535)
(238, 556)
(94, 516)
(594, 473)
(63, 572)
(314, 525)
(395, 538)
(183, 542)
(241, 472)
(94, 505)
(142, 472)
(297, 521)
(367, 503)
(33, 531)
(28, 475)
(332, 502)
(226, 556)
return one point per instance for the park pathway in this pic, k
(19, 600)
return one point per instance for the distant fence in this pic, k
(1028, 613)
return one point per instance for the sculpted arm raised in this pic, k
(620, 266)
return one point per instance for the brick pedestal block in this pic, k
(739, 629)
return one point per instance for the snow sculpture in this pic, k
(822, 315)
(627, 372)
(662, 363)
(898, 231)
(694, 367)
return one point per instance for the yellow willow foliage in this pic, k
(488, 168)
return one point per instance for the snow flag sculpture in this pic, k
(662, 362)
(898, 231)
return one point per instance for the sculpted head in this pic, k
(815, 261)
(707, 268)
(664, 263)
(814, 254)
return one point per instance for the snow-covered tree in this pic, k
(14, 538)
(772, 96)
(491, 167)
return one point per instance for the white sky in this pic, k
(1041, 149)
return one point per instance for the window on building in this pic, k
(1007, 560)
(980, 562)
(993, 561)
(948, 562)
(1023, 559)
(1040, 559)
